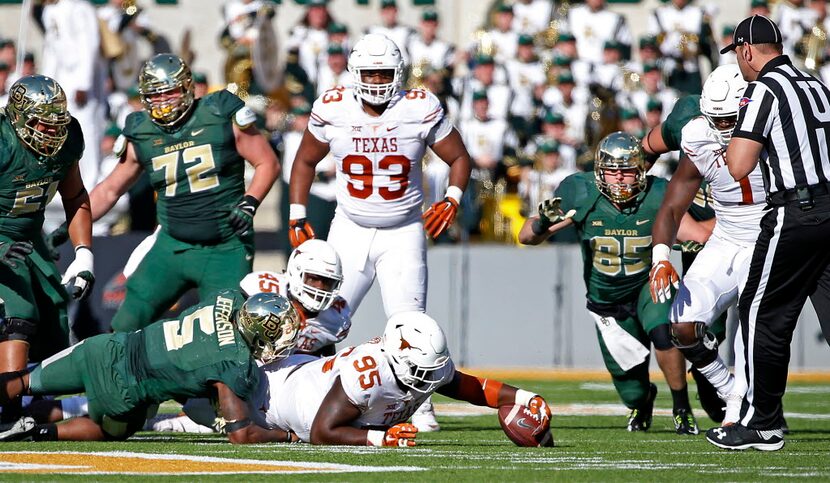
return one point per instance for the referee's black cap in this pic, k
(756, 29)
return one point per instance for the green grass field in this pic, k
(588, 424)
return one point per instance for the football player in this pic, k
(377, 134)
(41, 144)
(713, 282)
(311, 281)
(363, 395)
(212, 350)
(613, 210)
(193, 150)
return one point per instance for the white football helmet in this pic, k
(720, 100)
(314, 257)
(416, 349)
(376, 52)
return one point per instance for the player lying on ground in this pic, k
(311, 281)
(210, 351)
(613, 210)
(713, 282)
(364, 394)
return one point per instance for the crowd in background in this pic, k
(532, 93)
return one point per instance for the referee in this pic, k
(784, 121)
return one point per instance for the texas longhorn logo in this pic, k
(406, 345)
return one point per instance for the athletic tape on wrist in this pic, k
(375, 438)
(523, 397)
(660, 253)
(455, 193)
(296, 211)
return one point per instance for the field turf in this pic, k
(588, 425)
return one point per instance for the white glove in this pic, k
(79, 277)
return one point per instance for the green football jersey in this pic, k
(195, 169)
(616, 245)
(685, 109)
(181, 358)
(30, 180)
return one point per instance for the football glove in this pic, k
(13, 253)
(400, 435)
(299, 231)
(550, 213)
(241, 218)
(55, 239)
(691, 246)
(662, 277)
(440, 216)
(541, 411)
(79, 278)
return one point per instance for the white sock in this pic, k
(718, 374)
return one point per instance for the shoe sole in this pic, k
(758, 446)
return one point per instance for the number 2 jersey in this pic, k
(378, 180)
(739, 205)
(194, 168)
(297, 385)
(325, 328)
(616, 244)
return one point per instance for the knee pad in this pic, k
(704, 351)
(661, 337)
(13, 328)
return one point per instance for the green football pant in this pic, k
(96, 366)
(633, 385)
(170, 269)
(33, 292)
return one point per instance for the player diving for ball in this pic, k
(613, 210)
(716, 277)
(212, 350)
(363, 395)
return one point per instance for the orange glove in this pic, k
(402, 435)
(541, 411)
(440, 216)
(662, 276)
(299, 231)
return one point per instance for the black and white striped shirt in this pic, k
(788, 111)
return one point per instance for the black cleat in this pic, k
(737, 437)
(708, 397)
(684, 422)
(21, 430)
(640, 418)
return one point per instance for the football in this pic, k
(519, 424)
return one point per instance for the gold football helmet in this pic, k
(37, 110)
(161, 74)
(269, 323)
(620, 151)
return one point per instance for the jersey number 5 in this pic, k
(177, 333)
(361, 176)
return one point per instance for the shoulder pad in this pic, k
(132, 123)
(578, 192)
(222, 103)
(262, 282)
(120, 146)
(332, 105)
(695, 134)
(75, 140)
(421, 105)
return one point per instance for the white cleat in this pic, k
(176, 424)
(424, 418)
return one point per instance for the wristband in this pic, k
(296, 211)
(251, 201)
(538, 227)
(660, 253)
(236, 425)
(455, 193)
(375, 438)
(523, 397)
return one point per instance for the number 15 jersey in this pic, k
(379, 158)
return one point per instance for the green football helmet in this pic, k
(620, 151)
(161, 74)
(37, 110)
(269, 323)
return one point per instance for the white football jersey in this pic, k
(379, 158)
(739, 206)
(297, 386)
(593, 29)
(524, 78)
(328, 327)
(531, 17)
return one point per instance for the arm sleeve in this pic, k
(756, 112)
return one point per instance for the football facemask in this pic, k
(314, 275)
(619, 151)
(269, 324)
(416, 348)
(37, 109)
(372, 53)
(166, 74)
(720, 100)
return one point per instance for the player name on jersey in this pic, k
(375, 145)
